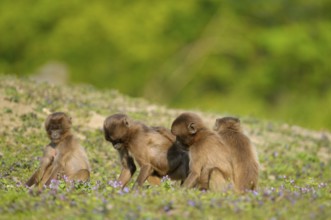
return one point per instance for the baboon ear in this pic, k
(216, 125)
(126, 122)
(192, 128)
(106, 135)
(237, 120)
(48, 119)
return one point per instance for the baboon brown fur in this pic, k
(129, 167)
(246, 165)
(211, 161)
(62, 156)
(153, 148)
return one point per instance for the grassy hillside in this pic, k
(266, 54)
(295, 173)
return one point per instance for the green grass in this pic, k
(295, 175)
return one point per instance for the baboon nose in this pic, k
(55, 136)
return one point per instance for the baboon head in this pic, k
(227, 123)
(117, 129)
(57, 126)
(186, 127)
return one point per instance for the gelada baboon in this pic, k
(246, 165)
(210, 164)
(153, 148)
(63, 156)
(129, 167)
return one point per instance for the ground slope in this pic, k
(295, 173)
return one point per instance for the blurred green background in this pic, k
(267, 59)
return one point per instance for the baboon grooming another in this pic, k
(63, 156)
(210, 160)
(153, 148)
(246, 165)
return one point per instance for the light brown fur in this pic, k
(153, 148)
(129, 168)
(246, 165)
(210, 160)
(63, 156)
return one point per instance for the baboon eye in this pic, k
(55, 127)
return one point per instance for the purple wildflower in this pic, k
(168, 207)
(191, 203)
(304, 190)
(73, 203)
(67, 180)
(123, 191)
(165, 179)
(280, 193)
(114, 183)
(96, 186)
(255, 193)
(281, 187)
(322, 185)
(54, 184)
(62, 197)
(268, 192)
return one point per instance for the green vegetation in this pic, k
(295, 173)
(266, 59)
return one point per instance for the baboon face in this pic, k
(185, 128)
(116, 129)
(57, 125)
(225, 123)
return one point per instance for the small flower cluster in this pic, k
(54, 184)
(115, 184)
(165, 179)
(118, 185)
(166, 182)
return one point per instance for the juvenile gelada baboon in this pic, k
(63, 155)
(246, 165)
(211, 163)
(153, 148)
